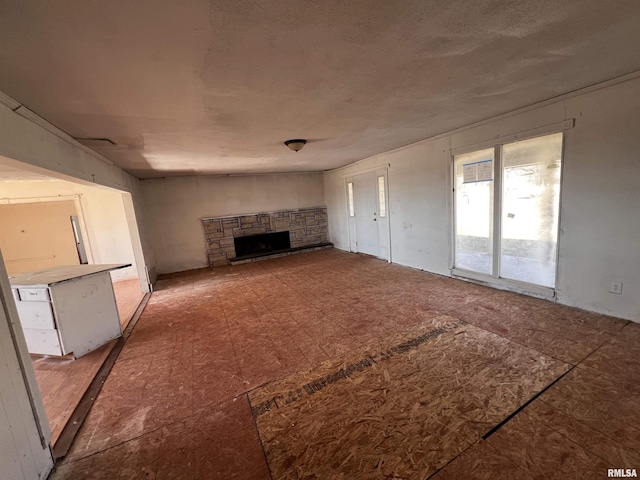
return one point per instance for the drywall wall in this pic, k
(175, 207)
(26, 145)
(24, 443)
(600, 218)
(418, 194)
(106, 231)
(600, 221)
(39, 235)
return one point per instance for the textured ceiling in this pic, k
(197, 87)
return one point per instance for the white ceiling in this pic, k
(197, 87)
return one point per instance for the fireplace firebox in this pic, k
(307, 228)
(261, 244)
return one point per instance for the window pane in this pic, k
(381, 200)
(350, 199)
(530, 206)
(474, 211)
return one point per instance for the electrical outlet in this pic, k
(615, 287)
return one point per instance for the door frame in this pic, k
(35, 409)
(381, 170)
(495, 280)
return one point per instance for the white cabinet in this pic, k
(67, 309)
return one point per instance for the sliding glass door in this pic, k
(474, 211)
(530, 209)
(507, 208)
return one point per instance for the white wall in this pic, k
(175, 207)
(28, 145)
(108, 238)
(600, 222)
(600, 218)
(24, 442)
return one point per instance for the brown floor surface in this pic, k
(128, 297)
(62, 380)
(334, 365)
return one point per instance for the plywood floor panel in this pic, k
(482, 462)
(220, 443)
(545, 453)
(63, 381)
(366, 432)
(343, 366)
(613, 441)
(537, 326)
(128, 297)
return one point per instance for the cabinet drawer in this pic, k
(43, 342)
(36, 315)
(34, 294)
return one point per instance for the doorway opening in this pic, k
(47, 222)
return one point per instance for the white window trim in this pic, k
(494, 280)
(505, 284)
(525, 135)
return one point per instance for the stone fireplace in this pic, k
(306, 228)
(261, 243)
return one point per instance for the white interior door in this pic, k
(24, 434)
(365, 200)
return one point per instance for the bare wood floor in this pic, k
(333, 365)
(62, 380)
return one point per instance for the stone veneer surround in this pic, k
(306, 227)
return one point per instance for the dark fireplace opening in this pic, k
(261, 244)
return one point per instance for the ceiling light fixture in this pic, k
(295, 144)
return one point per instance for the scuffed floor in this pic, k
(63, 381)
(332, 365)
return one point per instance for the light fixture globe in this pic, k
(295, 144)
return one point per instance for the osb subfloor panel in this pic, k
(332, 365)
(581, 426)
(401, 413)
(128, 297)
(62, 380)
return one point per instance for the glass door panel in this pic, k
(530, 209)
(474, 211)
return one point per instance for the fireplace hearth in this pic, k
(264, 243)
(306, 227)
